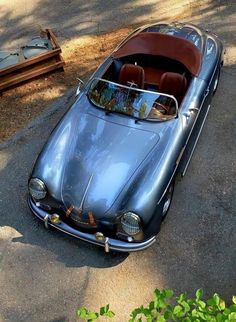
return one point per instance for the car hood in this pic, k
(90, 159)
(100, 161)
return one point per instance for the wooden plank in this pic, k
(23, 77)
(59, 58)
(53, 38)
(34, 66)
(30, 61)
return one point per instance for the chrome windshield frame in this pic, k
(138, 90)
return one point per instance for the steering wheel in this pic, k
(163, 107)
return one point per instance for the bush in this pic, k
(166, 307)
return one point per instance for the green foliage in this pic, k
(166, 307)
(92, 316)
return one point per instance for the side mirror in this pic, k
(79, 86)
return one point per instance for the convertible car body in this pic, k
(106, 174)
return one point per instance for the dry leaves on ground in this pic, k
(82, 55)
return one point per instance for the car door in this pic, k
(193, 116)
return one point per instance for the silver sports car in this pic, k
(106, 174)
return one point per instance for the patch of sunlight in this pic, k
(230, 56)
(4, 159)
(44, 93)
(17, 8)
(133, 282)
(7, 232)
(86, 25)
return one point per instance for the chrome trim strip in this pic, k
(137, 90)
(184, 147)
(169, 182)
(83, 198)
(195, 143)
(108, 244)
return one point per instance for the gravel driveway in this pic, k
(46, 275)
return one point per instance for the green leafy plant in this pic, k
(166, 307)
(92, 316)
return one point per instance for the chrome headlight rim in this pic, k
(130, 223)
(37, 188)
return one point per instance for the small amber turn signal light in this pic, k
(55, 219)
(99, 236)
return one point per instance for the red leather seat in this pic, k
(131, 74)
(173, 84)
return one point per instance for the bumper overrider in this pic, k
(108, 243)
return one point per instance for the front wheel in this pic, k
(167, 200)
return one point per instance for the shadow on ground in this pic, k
(74, 18)
(49, 274)
(71, 18)
(14, 176)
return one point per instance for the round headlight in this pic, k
(37, 188)
(131, 223)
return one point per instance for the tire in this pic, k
(167, 200)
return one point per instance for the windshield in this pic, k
(131, 101)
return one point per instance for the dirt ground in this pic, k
(82, 55)
(46, 275)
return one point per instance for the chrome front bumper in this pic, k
(108, 243)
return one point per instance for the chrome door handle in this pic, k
(206, 92)
(194, 109)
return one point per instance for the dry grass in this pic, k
(20, 105)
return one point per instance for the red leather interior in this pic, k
(153, 75)
(154, 43)
(173, 84)
(133, 74)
